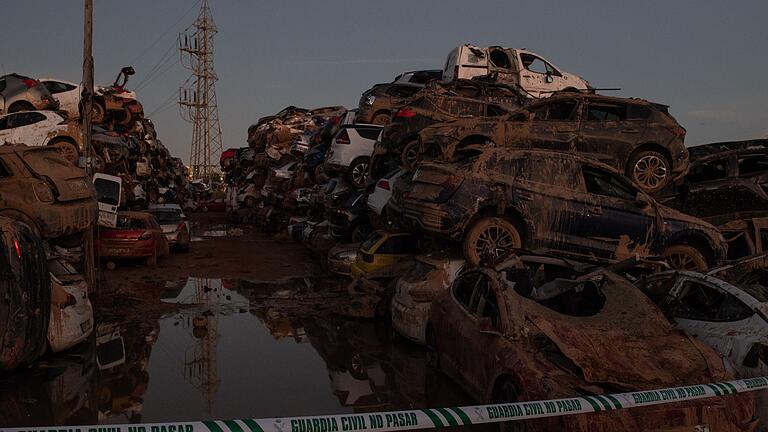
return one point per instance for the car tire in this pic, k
(357, 173)
(381, 118)
(650, 170)
(98, 113)
(490, 232)
(686, 257)
(410, 155)
(21, 106)
(67, 148)
(505, 392)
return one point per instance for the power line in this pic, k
(167, 30)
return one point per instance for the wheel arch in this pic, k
(698, 240)
(511, 212)
(647, 146)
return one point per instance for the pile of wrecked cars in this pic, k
(49, 206)
(521, 226)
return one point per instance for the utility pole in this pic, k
(198, 102)
(85, 116)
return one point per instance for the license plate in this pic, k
(117, 251)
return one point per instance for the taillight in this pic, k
(146, 236)
(43, 192)
(29, 82)
(343, 137)
(383, 184)
(405, 112)
(422, 295)
(679, 131)
(18, 249)
(181, 227)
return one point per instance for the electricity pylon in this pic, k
(198, 102)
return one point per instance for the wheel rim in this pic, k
(360, 173)
(650, 171)
(411, 156)
(682, 261)
(494, 242)
(68, 151)
(380, 120)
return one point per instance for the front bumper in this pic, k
(126, 248)
(431, 218)
(410, 321)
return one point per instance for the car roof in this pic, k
(595, 96)
(535, 154)
(721, 149)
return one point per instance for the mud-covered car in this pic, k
(22, 93)
(43, 128)
(39, 187)
(574, 206)
(516, 333)
(637, 137)
(732, 174)
(25, 287)
(378, 103)
(442, 102)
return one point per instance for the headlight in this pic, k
(370, 100)
(43, 192)
(78, 185)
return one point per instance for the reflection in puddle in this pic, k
(237, 349)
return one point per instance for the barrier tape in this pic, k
(430, 418)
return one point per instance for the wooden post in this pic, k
(87, 99)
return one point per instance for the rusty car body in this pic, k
(533, 331)
(39, 187)
(637, 137)
(570, 205)
(441, 102)
(379, 102)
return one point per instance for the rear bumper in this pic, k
(126, 248)
(432, 218)
(60, 219)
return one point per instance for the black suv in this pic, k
(377, 103)
(505, 199)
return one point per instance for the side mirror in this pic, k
(549, 78)
(486, 326)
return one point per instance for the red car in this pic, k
(213, 205)
(137, 235)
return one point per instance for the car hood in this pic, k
(653, 353)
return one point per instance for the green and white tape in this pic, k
(430, 418)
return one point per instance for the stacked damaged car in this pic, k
(62, 206)
(520, 226)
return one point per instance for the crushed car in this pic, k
(576, 207)
(637, 137)
(521, 332)
(379, 102)
(22, 93)
(532, 74)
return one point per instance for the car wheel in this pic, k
(152, 260)
(489, 239)
(250, 202)
(505, 392)
(381, 119)
(650, 170)
(410, 155)
(685, 257)
(358, 171)
(67, 148)
(98, 113)
(361, 232)
(433, 355)
(21, 106)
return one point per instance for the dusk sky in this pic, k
(706, 59)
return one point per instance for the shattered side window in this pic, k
(701, 302)
(4, 123)
(464, 287)
(561, 110)
(606, 112)
(604, 183)
(491, 309)
(753, 164)
(535, 64)
(4, 171)
(500, 59)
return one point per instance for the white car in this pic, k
(67, 93)
(377, 201)
(71, 311)
(531, 73)
(730, 319)
(415, 290)
(350, 152)
(174, 223)
(42, 128)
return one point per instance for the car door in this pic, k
(30, 128)
(617, 219)
(554, 125)
(457, 315)
(538, 78)
(724, 320)
(608, 133)
(67, 94)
